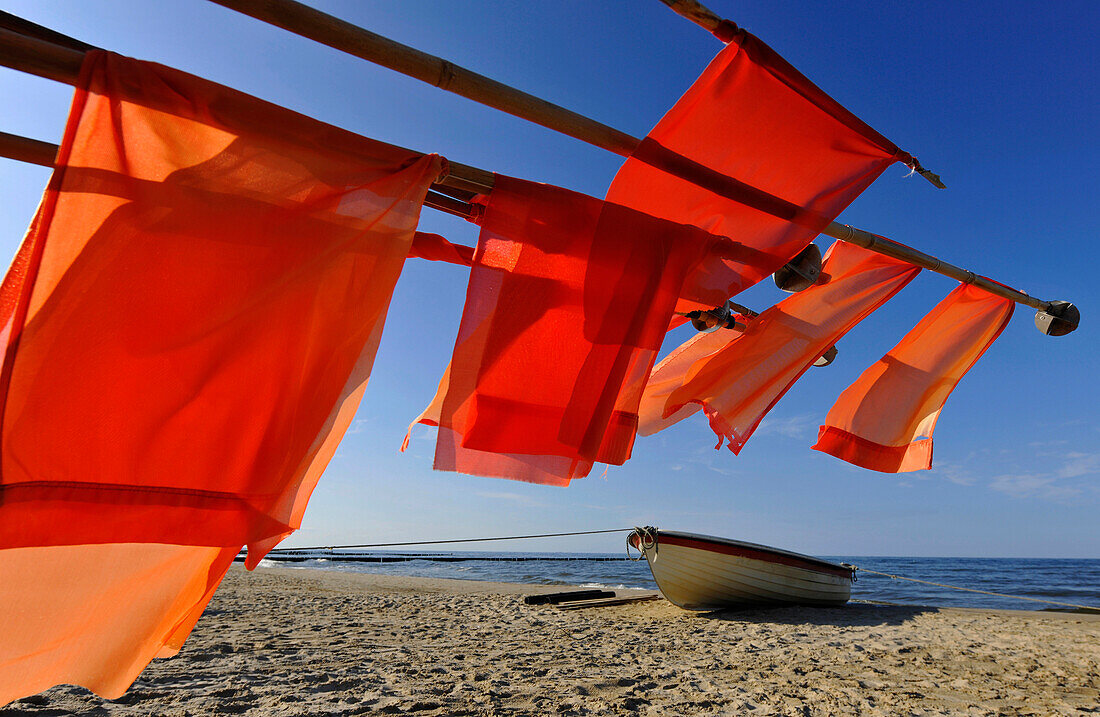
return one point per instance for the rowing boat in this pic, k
(703, 572)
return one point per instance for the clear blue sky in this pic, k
(999, 98)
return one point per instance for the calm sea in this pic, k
(1072, 581)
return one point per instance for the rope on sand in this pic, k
(441, 542)
(971, 590)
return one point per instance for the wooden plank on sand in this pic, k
(609, 602)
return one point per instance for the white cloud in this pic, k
(956, 474)
(1038, 485)
(800, 427)
(1080, 464)
(513, 497)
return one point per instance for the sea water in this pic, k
(1060, 580)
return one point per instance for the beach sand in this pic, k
(282, 641)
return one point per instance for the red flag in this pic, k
(567, 305)
(884, 421)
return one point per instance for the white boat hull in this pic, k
(699, 572)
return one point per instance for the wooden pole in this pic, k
(62, 64)
(25, 149)
(46, 59)
(44, 154)
(695, 11)
(352, 39)
(341, 35)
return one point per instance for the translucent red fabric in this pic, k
(568, 302)
(737, 378)
(884, 421)
(95, 615)
(193, 316)
(788, 159)
(451, 455)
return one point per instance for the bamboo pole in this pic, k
(341, 35)
(25, 149)
(62, 64)
(321, 27)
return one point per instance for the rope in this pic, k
(647, 538)
(462, 540)
(971, 590)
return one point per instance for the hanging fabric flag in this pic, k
(567, 305)
(790, 156)
(885, 420)
(95, 615)
(738, 383)
(193, 316)
(188, 327)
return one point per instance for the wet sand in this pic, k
(282, 641)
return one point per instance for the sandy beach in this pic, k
(282, 641)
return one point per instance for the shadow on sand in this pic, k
(860, 614)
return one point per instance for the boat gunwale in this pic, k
(753, 551)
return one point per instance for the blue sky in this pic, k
(1000, 99)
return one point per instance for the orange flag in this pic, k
(791, 157)
(884, 421)
(95, 615)
(188, 327)
(192, 318)
(738, 380)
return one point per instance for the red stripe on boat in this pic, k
(754, 554)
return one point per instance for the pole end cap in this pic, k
(1060, 319)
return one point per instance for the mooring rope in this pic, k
(650, 533)
(969, 590)
(441, 542)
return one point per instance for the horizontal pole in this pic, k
(44, 154)
(889, 247)
(33, 151)
(25, 149)
(52, 61)
(341, 35)
(352, 39)
(39, 57)
(62, 64)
